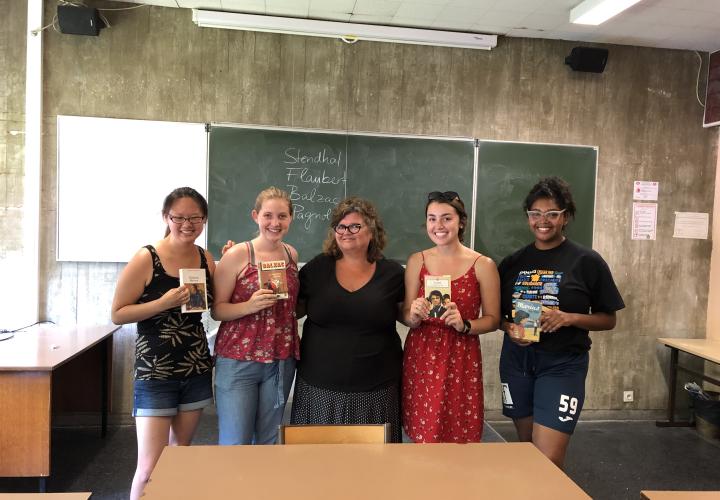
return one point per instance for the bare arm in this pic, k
(415, 308)
(487, 273)
(130, 287)
(552, 320)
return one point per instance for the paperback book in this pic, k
(194, 280)
(526, 314)
(437, 290)
(272, 275)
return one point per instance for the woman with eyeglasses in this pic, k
(442, 367)
(543, 383)
(257, 342)
(351, 355)
(173, 368)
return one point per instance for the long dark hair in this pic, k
(183, 192)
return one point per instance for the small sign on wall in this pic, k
(645, 190)
(644, 221)
(691, 225)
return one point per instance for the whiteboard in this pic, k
(112, 178)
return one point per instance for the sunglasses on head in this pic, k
(446, 196)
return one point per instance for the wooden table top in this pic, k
(45, 496)
(680, 495)
(360, 471)
(707, 349)
(45, 347)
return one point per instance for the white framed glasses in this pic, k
(551, 215)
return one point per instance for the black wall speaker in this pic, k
(587, 59)
(79, 20)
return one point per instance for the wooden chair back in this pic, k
(334, 434)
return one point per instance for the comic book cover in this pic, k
(437, 292)
(194, 280)
(272, 275)
(526, 313)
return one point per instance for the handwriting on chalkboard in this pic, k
(316, 182)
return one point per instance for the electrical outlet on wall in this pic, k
(628, 396)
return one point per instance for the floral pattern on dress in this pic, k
(442, 373)
(266, 335)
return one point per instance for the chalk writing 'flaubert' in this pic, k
(303, 174)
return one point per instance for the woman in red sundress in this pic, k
(442, 393)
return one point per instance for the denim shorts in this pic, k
(165, 398)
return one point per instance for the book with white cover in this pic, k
(194, 280)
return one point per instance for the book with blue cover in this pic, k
(526, 314)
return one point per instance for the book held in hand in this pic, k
(437, 292)
(194, 280)
(526, 313)
(272, 275)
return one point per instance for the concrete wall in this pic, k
(154, 63)
(12, 116)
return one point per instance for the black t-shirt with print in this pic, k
(569, 277)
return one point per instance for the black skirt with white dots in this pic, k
(314, 405)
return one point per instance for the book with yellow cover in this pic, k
(272, 275)
(437, 292)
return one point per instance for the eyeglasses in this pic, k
(350, 228)
(195, 219)
(551, 215)
(446, 196)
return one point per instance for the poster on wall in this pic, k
(692, 225)
(645, 190)
(644, 221)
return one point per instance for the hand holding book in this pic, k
(552, 320)
(261, 299)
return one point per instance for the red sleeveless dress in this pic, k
(442, 391)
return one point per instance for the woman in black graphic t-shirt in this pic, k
(543, 383)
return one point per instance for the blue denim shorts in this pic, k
(165, 398)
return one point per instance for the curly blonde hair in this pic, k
(369, 214)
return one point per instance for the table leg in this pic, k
(671, 422)
(104, 392)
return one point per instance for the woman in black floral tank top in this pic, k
(173, 367)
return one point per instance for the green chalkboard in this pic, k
(397, 173)
(319, 169)
(244, 161)
(507, 171)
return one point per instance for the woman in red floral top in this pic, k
(257, 343)
(442, 370)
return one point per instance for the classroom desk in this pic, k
(703, 348)
(41, 367)
(680, 495)
(359, 471)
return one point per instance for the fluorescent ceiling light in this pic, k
(598, 11)
(348, 32)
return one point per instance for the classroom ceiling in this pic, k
(673, 24)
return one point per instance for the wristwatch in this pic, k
(468, 326)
